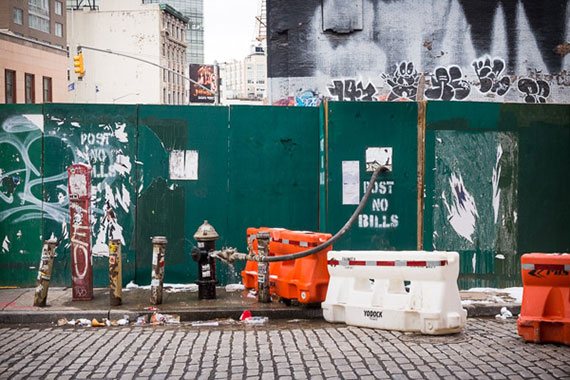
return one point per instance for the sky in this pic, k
(228, 29)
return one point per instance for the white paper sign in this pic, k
(350, 182)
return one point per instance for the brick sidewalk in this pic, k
(486, 349)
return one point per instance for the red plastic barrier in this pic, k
(305, 279)
(545, 311)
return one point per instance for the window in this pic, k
(29, 88)
(164, 95)
(18, 16)
(58, 29)
(10, 86)
(47, 89)
(58, 8)
(38, 15)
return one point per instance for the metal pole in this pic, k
(158, 250)
(263, 295)
(109, 51)
(115, 273)
(44, 273)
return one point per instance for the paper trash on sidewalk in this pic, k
(505, 314)
(256, 320)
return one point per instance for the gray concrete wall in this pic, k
(370, 50)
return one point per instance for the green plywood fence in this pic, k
(389, 220)
(260, 169)
(496, 185)
(273, 170)
(174, 205)
(496, 181)
(20, 193)
(104, 137)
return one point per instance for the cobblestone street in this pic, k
(487, 349)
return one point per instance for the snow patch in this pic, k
(234, 287)
(515, 293)
(171, 288)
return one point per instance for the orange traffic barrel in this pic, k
(545, 310)
(305, 279)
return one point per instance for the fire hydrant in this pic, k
(206, 237)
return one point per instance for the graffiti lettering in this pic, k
(307, 99)
(350, 90)
(540, 272)
(403, 82)
(446, 84)
(535, 91)
(490, 75)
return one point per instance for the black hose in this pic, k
(338, 235)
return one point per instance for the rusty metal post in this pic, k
(115, 273)
(44, 273)
(158, 250)
(263, 295)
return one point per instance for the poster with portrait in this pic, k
(206, 76)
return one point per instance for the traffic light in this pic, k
(78, 64)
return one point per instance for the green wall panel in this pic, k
(490, 193)
(20, 193)
(104, 137)
(176, 208)
(273, 175)
(389, 220)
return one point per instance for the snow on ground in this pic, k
(175, 288)
(515, 293)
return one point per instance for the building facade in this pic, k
(245, 79)
(487, 50)
(32, 51)
(194, 11)
(154, 33)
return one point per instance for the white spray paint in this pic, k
(36, 119)
(499, 45)
(6, 245)
(527, 44)
(500, 256)
(120, 133)
(122, 165)
(474, 262)
(19, 234)
(75, 124)
(495, 180)
(462, 212)
(124, 198)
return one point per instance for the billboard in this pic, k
(206, 76)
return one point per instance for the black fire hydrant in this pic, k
(206, 237)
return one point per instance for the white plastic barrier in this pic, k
(430, 305)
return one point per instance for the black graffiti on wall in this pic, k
(530, 28)
(490, 73)
(535, 91)
(447, 84)
(349, 89)
(403, 82)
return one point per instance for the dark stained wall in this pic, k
(368, 50)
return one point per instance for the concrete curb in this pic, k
(30, 317)
(490, 310)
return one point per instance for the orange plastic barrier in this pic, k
(305, 279)
(545, 311)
